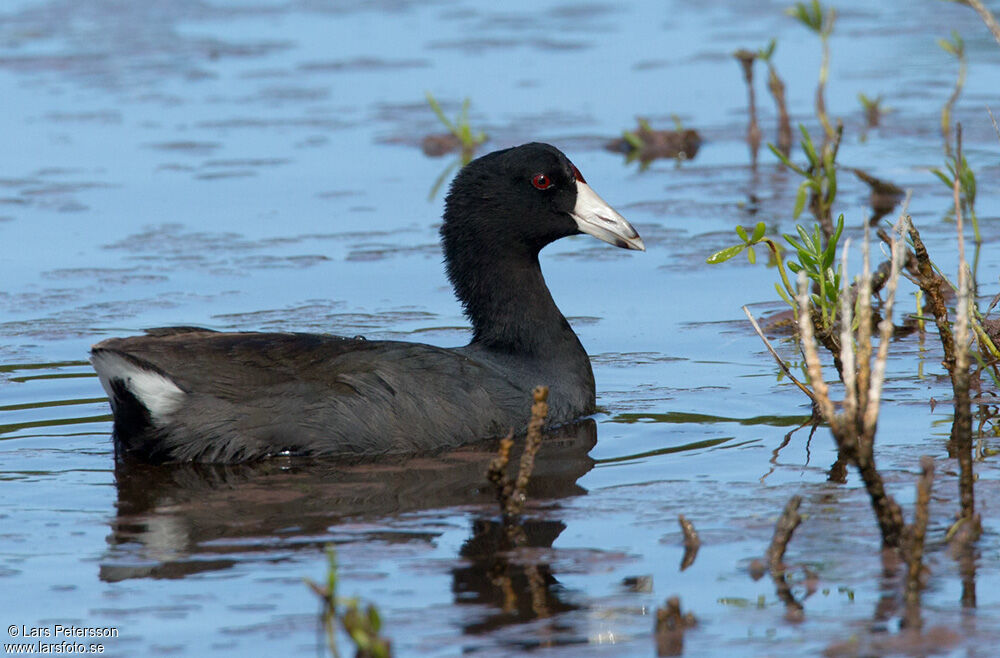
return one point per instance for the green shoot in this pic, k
(633, 137)
(874, 109)
(956, 48)
(821, 22)
(460, 127)
(816, 259)
(819, 184)
(765, 53)
(966, 185)
(814, 255)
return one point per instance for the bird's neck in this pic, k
(508, 303)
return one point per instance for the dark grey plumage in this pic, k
(191, 394)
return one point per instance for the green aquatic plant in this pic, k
(813, 254)
(819, 184)
(634, 137)
(460, 127)
(813, 16)
(460, 136)
(958, 169)
(364, 628)
(955, 47)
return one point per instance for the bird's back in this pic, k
(237, 396)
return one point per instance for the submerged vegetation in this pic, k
(856, 326)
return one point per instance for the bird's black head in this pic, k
(501, 210)
(520, 199)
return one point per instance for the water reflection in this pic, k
(515, 587)
(180, 519)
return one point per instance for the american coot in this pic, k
(183, 393)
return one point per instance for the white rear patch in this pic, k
(157, 393)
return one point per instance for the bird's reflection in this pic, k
(177, 520)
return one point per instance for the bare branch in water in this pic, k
(778, 360)
(787, 523)
(691, 542)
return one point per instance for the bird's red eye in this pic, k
(577, 174)
(541, 181)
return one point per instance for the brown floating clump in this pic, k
(435, 146)
(647, 144)
(671, 623)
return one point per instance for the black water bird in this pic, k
(190, 394)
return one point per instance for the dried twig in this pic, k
(987, 16)
(746, 59)
(533, 441)
(961, 433)
(996, 128)
(778, 360)
(511, 493)
(854, 429)
(496, 472)
(777, 89)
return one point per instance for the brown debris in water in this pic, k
(909, 642)
(913, 545)
(671, 623)
(691, 542)
(963, 536)
(746, 59)
(884, 197)
(787, 523)
(776, 86)
(647, 144)
(435, 146)
(961, 429)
